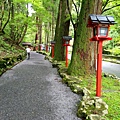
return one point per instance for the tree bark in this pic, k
(62, 29)
(83, 60)
(40, 31)
(4, 5)
(12, 34)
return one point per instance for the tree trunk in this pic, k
(62, 28)
(40, 31)
(53, 25)
(12, 34)
(2, 7)
(84, 52)
(2, 11)
(47, 34)
(22, 35)
(53, 22)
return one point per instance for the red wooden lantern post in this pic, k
(100, 25)
(46, 48)
(52, 48)
(40, 47)
(66, 43)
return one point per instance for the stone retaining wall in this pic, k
(9, 61)
(110, 57)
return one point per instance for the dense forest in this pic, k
(41, 21)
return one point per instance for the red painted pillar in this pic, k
(99, 69)
(66, 56)
(52, 51)
(40, 47)
(46, 48)
(36, 48)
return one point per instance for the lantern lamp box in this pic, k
(101, 25)
(66, 40)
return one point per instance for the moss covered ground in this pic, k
(110, 92)
(9, 55)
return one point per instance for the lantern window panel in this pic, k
(103, 31)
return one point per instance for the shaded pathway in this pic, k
(32, 91)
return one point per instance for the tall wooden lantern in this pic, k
(66, 43)
(100, 25)
(52, 48)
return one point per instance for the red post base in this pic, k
(52, 51)
(40, 47)
(99, 69)
(36, 48)
(46, 48)
(66, 56)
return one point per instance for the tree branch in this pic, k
(70, 13)
(75, 8)
(105, 5)
(8, 17)
(79, 7)
(23, 34)
(110, 8)
(25, 29)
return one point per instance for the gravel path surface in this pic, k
(32, 90)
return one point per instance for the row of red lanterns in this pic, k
(100, 26)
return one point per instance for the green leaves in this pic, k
(112, 8)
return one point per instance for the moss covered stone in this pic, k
(92, 108)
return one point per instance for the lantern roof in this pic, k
(67, 37)
(53, 42)
(26, 44)
(100, 19)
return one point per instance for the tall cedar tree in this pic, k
(62, 29)
(83, 59)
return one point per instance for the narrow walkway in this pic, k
(32, 90)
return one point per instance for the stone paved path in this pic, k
(32, 90)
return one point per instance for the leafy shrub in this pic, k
(116, 51)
